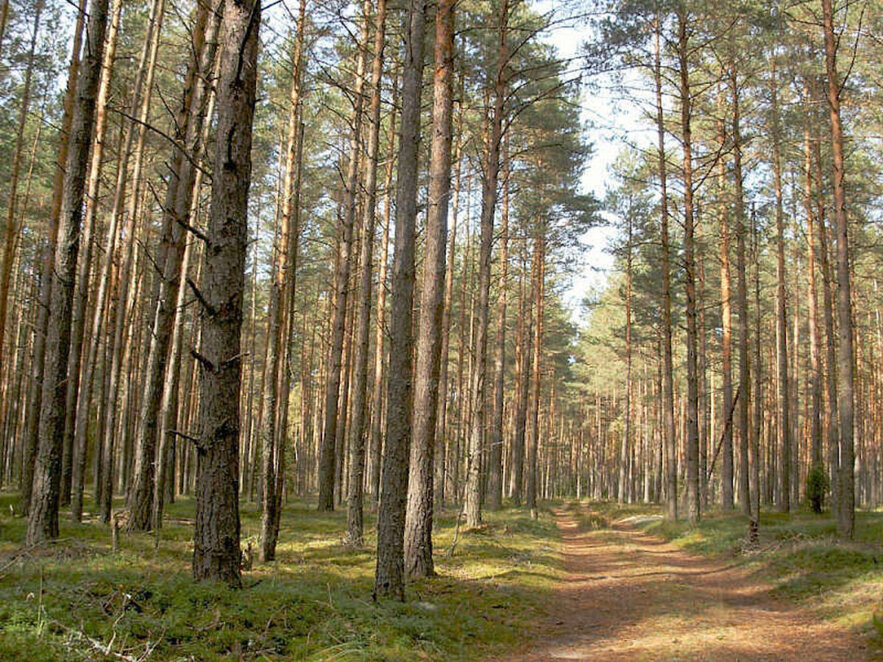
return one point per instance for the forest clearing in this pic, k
(451, 330)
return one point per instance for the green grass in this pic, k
(66, 601)
(798, 553)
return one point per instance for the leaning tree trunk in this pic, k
(216, 553)
(418, 518)
(43, 513)
(389, 580)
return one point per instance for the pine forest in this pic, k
(505, 330)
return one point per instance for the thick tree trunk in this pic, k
(418, 520)
(35, 385)
(43, 513)
(216, 553)
(389, 578)
(845, 365)
(176, 219)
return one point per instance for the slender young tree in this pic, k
(489, 197)
(335, 408)
(359, 427)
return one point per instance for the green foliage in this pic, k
(65, 601)
(817, 485)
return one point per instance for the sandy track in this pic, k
(631, 596)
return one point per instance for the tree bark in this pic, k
(845, 366)
(418, 519)
(216, 554)
(389, 581)
(360, 428)
(43, 513)
(176, 219)
(692, 420)
(489, 196)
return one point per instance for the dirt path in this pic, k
(631, 596)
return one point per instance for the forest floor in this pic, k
(76, 599)
(633, 595)
(584, 582)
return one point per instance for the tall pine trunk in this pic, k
(43, 513)
(418, 520)
(389, 580)
(216, 554)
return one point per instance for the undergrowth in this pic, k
(77, 600)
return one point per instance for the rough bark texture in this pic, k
(389, 581)
(845, 367)
(35, 386)
(216, 553)
(692, 405)
(418, 520)
(43, 513)
(176, 218)
(359, 427)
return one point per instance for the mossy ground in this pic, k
(77, 600)
(799, 553)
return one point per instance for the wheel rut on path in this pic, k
(629, 595)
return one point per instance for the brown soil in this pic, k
(631, 596)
